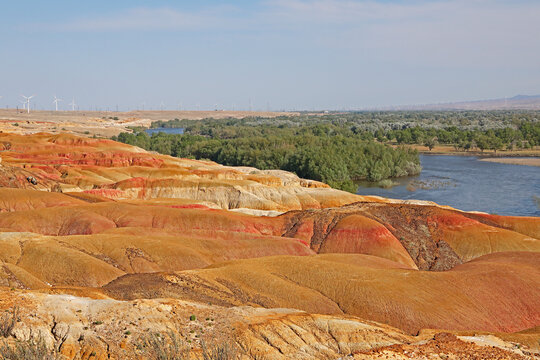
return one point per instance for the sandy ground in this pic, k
(102, 123)
(532, 161)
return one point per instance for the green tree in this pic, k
(430, 143)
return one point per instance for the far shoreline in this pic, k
(449, 150)
(527, 161)
(513, 158)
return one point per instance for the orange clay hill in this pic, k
(111, 252)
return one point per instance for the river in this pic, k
(465, 183)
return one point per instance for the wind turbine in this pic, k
(28, 102)
(56, 100)
(72, 103)
(161, 106)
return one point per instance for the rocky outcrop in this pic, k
(431, 237)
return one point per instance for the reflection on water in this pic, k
(465, 183)
(430, 184)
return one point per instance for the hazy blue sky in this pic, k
(285, 54)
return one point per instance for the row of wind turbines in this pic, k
(26, 102)
(56, 100)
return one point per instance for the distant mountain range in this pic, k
(518, 102)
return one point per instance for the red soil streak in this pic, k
(65, 139)
(117, 159)
(305, 231)
(134, 182)
(108, 193)
(189, 206)
(45, 168)
(451, 220)
(376, 232)
(357, 234)
(54, 177)
(303, 242)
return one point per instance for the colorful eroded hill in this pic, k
(102, 243)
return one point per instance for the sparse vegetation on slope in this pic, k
(7, 322)
(163, 346)
(33, 349)
(169, 346)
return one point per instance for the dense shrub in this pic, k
(334, 159)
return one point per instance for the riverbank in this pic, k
(531, 161)
(451, 150)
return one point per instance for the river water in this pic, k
(466, 183)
